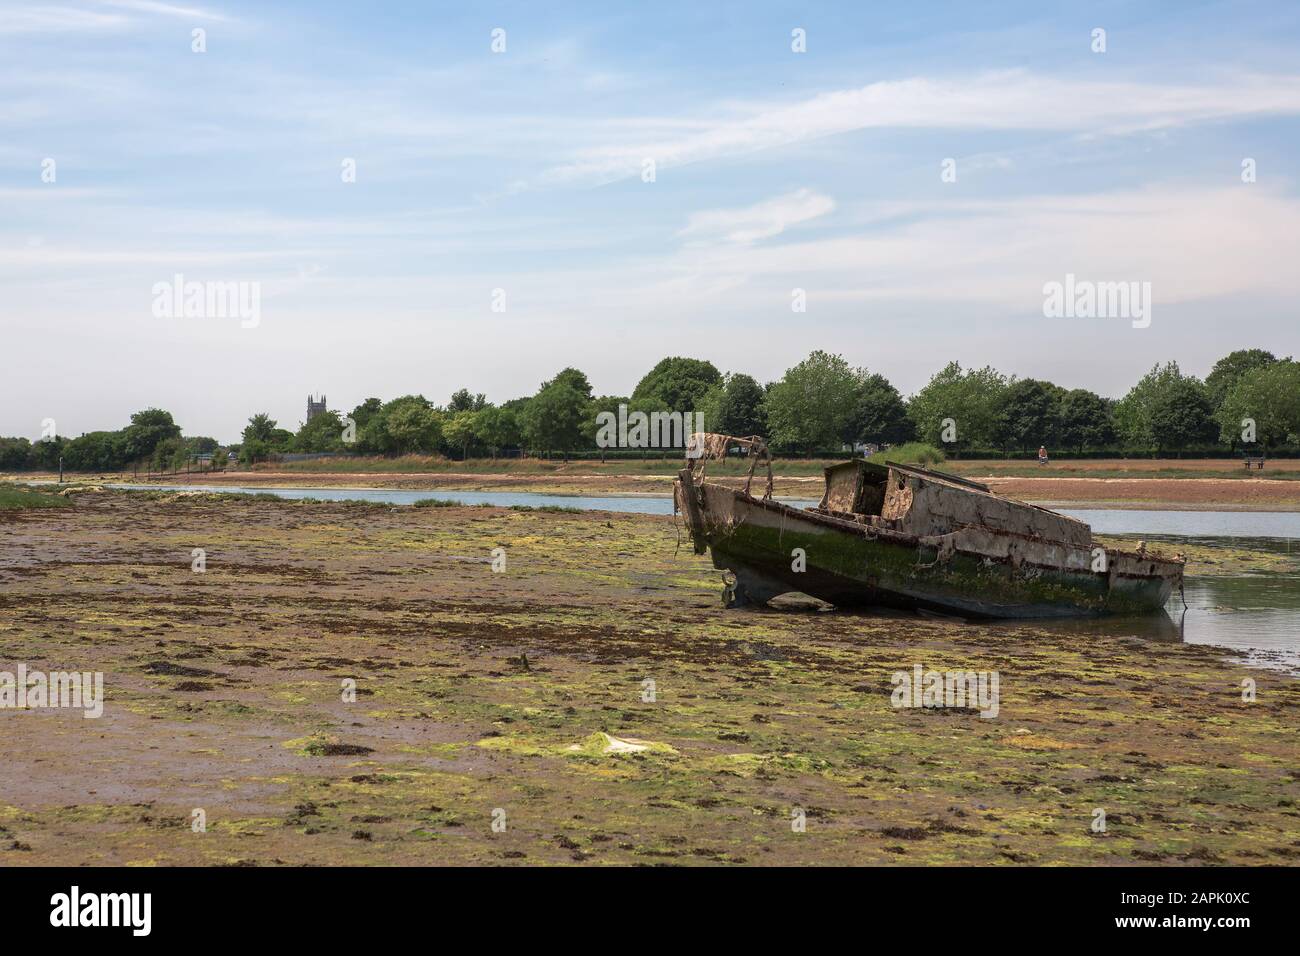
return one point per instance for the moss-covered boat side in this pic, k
(963, 569)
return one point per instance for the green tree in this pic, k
(570, 378)
(463, 401)
(1228, 371)
(497, 427)
(734, 407)
(95, 451)
(964, 403)
(170, 454)
(15, 454)
(676, 384)
(1182, 415)
(1026, 415)
(408, 424)
(811, 407)
(253, 450)
(411, 425)
(595, 407)
(1161, 388)
(201, 444)
(1269, 396)
(262, 438)
(460, 430)
(324, 433)
(147, 430)
(364, 412)
(259, 428)
(1084, 420)
(555, 417)
(45, 453)
(878, 413)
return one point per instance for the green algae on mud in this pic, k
(474, 688)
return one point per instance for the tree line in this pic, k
(1249, 399)
(151, 441)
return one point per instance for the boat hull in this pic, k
(972, 573)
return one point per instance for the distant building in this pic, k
(314, 407)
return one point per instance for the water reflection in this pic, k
(1257, 614)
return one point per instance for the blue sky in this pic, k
(522, 171)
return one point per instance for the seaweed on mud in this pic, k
(170, 669)
(763, 713)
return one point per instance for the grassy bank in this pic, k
(523, 696)
(17, 498)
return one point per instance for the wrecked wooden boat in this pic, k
(891, 535)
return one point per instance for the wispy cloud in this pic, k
(164, 9)
(227, 166)
(1190, 243)
(37, 18)
(1004, 100)
(759, 221)
(57, 19)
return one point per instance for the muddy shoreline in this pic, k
(479, 692)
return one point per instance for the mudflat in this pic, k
(588, 700)
(1163, 494)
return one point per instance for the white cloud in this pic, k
(44, 18)
(759, 221)
(164, 9)
(1004, 100)
(47, 19)
(1189, 243)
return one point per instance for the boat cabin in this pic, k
(923, 502)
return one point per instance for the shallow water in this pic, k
(1258, 615)
(631, 504)
(1193, 524)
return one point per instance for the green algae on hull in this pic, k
(959, 568)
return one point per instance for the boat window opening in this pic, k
(872, 500)
(855, 489)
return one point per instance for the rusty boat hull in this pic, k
(892, 536)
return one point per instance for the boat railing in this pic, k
(703, 447)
